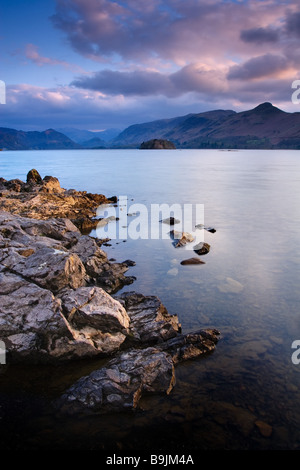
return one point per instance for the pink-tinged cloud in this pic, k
(32, 53)
(191, 78)
(174, 30)
(264, 66)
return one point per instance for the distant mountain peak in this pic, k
(266, 107)
(265, 126)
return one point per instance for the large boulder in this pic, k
(120, 384)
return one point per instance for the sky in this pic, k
(99, 64)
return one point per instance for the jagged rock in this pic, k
(60, 256)
(51, 258)
(31, 324)
(150, 321)
(120, 384)
(36, 326)
(46, 267)
(191, 345)
(93, 307)
(44, 198)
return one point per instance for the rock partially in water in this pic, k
(170, 221)
(150, 321)
(202, 248)
(122, 382)
(181, 238)
(44, 198)
(192, 261)
(56, 303)
(157, 144)
(33, 177)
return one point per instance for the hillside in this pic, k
(12, 139)
(265, 126)
(90, 139)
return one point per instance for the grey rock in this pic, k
(150, 321)
(120, 384)
(93, 307)
(202, 248)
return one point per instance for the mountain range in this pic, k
(12, 139)
(264, 127)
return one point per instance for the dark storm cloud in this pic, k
(260, 35)
(293, 24)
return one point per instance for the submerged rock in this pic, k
(230, 285)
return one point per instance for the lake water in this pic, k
(245, 395)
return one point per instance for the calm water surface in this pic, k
(244, 395)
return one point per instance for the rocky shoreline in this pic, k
(59, 301)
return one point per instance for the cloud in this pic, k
(31, 53)
(292, 24)
(171, 29)
(137, 83)
(191, 78)
(73, 107)
(259, 67)
(260, 35)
